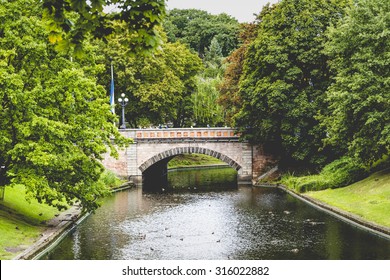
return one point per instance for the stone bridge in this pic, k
(148, 157)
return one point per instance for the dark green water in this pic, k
(211, 218)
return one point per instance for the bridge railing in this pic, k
(181, 133)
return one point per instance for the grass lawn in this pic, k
(193, 160)
(369, 198)
(20, 222)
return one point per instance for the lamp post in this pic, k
(123, 101)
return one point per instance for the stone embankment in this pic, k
(55, 228)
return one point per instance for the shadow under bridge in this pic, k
(155, 170)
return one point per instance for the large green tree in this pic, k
(359, 99)
(285, 76)
(159, 86)
(55, 121)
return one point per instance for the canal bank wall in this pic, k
(57, 227)
(345, 216)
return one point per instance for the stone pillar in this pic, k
(134, 174)
(245, 173)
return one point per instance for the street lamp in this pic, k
(123, 101)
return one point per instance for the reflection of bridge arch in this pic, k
(188, 150)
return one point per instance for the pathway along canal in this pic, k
(212, 218)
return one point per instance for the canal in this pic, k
(209, 217)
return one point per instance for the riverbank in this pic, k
(55, 228)
(27, 227)
(59, 227)
(365, 203)
(22, 223)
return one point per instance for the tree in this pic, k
(213, 60)
(284, 79)
(159, 86)
(141, 18)
(198, 28)
(206, 109)
(167, 81)
(359, 99)
(214, 52)
(229, 97)
(55, 121)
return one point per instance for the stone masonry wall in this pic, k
(117, 166)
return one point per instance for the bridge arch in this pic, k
(153, 148)
(188, 150)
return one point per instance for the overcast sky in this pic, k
(242, 10)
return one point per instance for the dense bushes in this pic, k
(339, 173)
(109, 179)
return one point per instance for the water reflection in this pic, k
(241, 223)
(201, 179)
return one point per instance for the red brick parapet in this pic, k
(182, 133)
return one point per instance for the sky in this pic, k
(242, 10)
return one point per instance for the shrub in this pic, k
(339, 173)
(109, 179)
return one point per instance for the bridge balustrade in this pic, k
(181, 133)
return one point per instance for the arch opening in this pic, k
(155, 170)
(188, 150)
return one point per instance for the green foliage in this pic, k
(214, 52)
(381, 164)
(198, 28)
(285, 76)
(109, 179)
(213, 60)
(358, 120)
(213, 37)
(159, 86)
(55, 121)
(339, 173)
(69, 22)
(229, 97)
(206, 109)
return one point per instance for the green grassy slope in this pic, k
(21, 222)
(369, 198)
